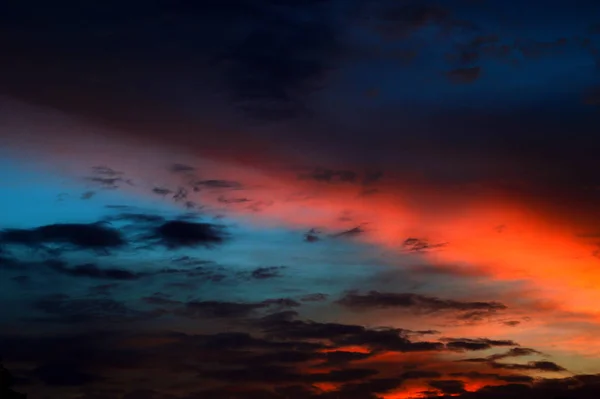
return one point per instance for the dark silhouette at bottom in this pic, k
(6, 382)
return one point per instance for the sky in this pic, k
(318, 199)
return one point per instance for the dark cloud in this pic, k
(260, 374)
(62, 308)
(161, 191)
(330, 176)
(462, 272)
(412, 244)
(420, 374)
(371, 389)
(275, 366)
(102, 289)
(160, 299)
(214, 309)
(511, 378)
(108, 178)
(284, 326)
(177, 234)
(318, 297)
(372, 177)
(448, 387)
(216, 184)
(281, 302)
(345, 375)
(180, 194)
(312, 236)
(93, 271)
(475, 48)
(326, 175)
(281, 58)
(415, 302)
(338, 357)
(388, 340)
(94, 236)
(64, 375)
(592, 96)
(482, 344)
(350, 232)
(464, 75)
(399, 20)
(9, 263)
(188, 269)
(516, 379)
(104, 170)
(536, 49)
(262, 273)
(282, 374)
(515, 352)
(572, 388)
(181, 168)
(477, 344)
(535, 365)
(224, 200)
(265, 58)
(230, 310)
(21, 280)
(136, 218)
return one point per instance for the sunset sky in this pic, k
(317, 199)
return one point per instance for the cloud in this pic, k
(477, 375)
(181, 168)
(477, 344)
(355, 231)
(241, 62)
(188, 269)
(331, 176)
(448, 387)
(64, 375)
(312, 236)
(339, 357)
(283, 325)
(93, 271)
(412, 244)
(535, 365)
(318, 297)
(415, 302)
(482, 344)
(94, 236)
(464, 75)
(231, 310)
(592, 96)
(64, 309)
(394, 20)
(108, 178)
(515, 352)
(216, 184)
(138, 218)
(21, 280)
(177, 234)
(280, 60)
(420, 374)
(214, 309)
(294, 357)
(263, 273)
